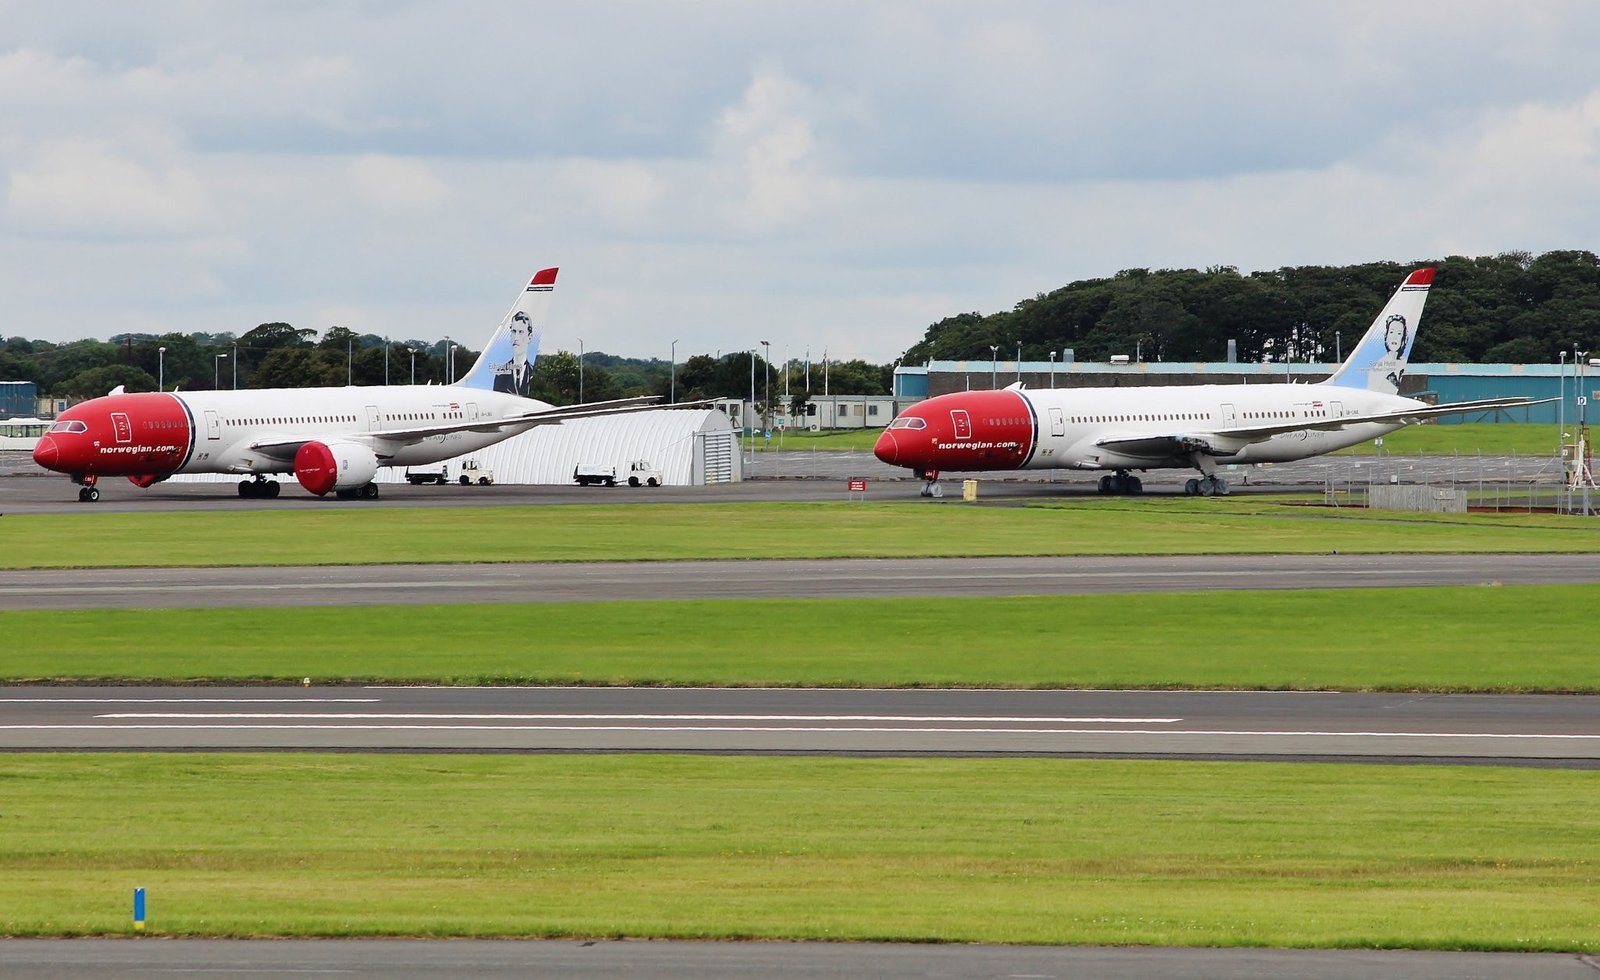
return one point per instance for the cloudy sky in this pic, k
(816, 174)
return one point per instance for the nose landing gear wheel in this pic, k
(88, 495)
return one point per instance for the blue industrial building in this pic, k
(18, 398)
(1431, 382)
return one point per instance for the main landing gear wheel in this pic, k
(1121, 482)
(1206, 487)
(368, 492)
(258, 488)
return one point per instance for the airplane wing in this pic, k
(1227, 442)
(386, 442)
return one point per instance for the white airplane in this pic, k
(1177, 426)
(331, 439)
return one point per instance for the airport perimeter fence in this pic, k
(1529, 484)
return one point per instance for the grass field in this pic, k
(1513, 638)
(763, 530)
(988, 850)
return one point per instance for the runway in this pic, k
(259, 587)
(408, 959)
(1549, 730)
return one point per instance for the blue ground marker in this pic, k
(138, 909)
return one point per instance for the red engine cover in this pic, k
(315, 468)
(338, 465)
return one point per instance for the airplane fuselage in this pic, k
(153, 435)
(1012, 429)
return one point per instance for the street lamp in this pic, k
(672, 397)
(216, 371)
(161, 369)
(235, 363)
(449, 361)
(580, 370)
(766, 395)
(994, 365)
(1052, 368)
(413, 351)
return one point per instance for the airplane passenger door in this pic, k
(373, 418)
(962, 422)
(1230, 418)
(1336, 410)
(1058, 422)
(472, 411)
(213, 425)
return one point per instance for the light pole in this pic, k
(1052, 368)
(216, 371)
(449, 361)
(1019, 360)
(413, 351)
(1561, 402)
(580, 370)
(766, 394)
(672, 385)
(235, 363)
(994, 365)
(1338, 349)
(161, 369)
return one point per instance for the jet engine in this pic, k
(324, 466)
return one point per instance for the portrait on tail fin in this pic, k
(1387, 372)
(515, 375)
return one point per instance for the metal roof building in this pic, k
(691, 447)
(1439, 382)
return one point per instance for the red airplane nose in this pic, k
(46, 452)
(886, 448)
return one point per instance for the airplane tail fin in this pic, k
(506, 363)
(1378, 361)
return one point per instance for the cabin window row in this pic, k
(1155, 417)
(299, 420)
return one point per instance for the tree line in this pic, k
(1509, 308)
(1514, 307)
(279, 355)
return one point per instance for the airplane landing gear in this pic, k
(1211, 486)
(930, 486)
(88, 493)
(368, 492)
(259, 487)
(1121, 482)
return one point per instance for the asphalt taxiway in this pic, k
(1545, 730)
(405, 959)
(748, 579)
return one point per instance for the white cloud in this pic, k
(394, 184)
(88, 187)
(822, 173)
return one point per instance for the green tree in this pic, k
(101, 380)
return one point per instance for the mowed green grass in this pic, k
(1469, 439)
(1514, 638)
(906, 528)
(947, 850)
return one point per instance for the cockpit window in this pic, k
(908, 422)
(74, 425)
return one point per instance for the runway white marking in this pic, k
(190, 700)
(431, 716)
(1508, 736)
